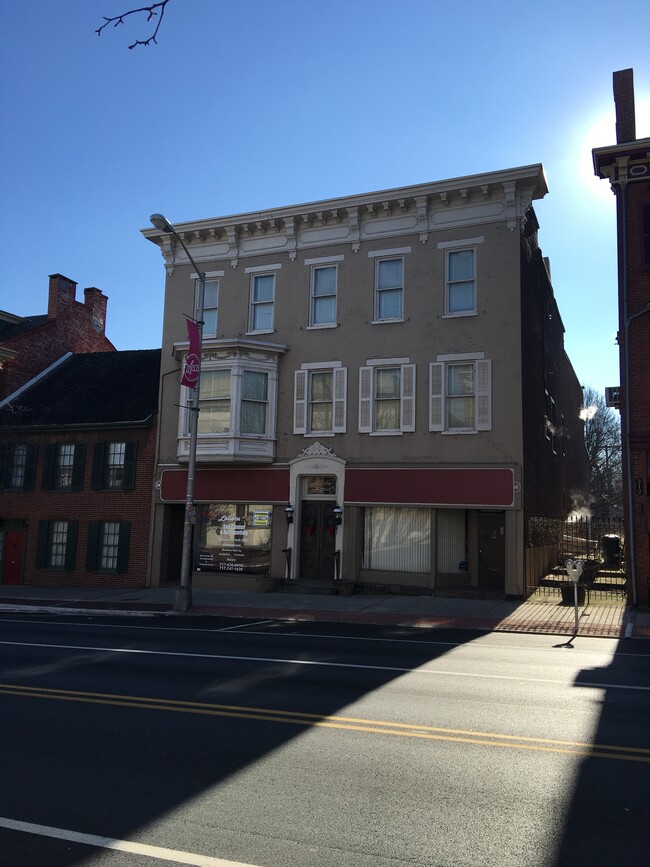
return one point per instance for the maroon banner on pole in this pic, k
(191, 370)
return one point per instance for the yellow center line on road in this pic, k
(385, 727)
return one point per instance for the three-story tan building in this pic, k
(384, 396)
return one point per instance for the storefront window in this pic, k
(397, 540)
(451, 533)
(234, 538)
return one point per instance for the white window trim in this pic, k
(387, 362)
(461, 242)
(209, 275)
(458, 248)
(389, 254)
(322, 264)
(461, 356)
(381, 256)
(259, 272)
(324, 260)
(319, 365)
(482, 393)
(367, 376)
(260, 269)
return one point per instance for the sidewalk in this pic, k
(604, 620)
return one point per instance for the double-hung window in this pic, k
(460, 288)
(389, 289)
(64, 466)
(254, 401)
(460, 394)
(387, 396)
(56, 545)
(214, 401)
(114, 465)
(320, 394)
(108, 546)
(262, 302)
(210, 308)
(17, 466)
(323, 296)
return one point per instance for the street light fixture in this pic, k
(183, 600)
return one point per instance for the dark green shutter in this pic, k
(123, 547)
(41, 544)
(4, 454)
(129, 466)
(93, 546)
(78, 467)
(30, 467)
(48, 466)
(71, 545)
(99, 456)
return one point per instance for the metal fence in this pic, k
(599, 543)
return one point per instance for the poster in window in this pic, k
(234, 538)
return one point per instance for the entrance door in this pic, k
(12, 567)
(317, 541)
(491, 550)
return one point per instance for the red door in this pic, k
(12, 569)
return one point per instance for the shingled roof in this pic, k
(13, 329)
(94, 388)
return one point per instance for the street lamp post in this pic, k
(183, 600)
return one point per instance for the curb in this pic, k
(536, 627)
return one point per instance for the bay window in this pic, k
(237, 401)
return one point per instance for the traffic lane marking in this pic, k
(413, 730)
(328, 664)
(174, 855)
(246, 629)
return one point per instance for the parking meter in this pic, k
(574, 571)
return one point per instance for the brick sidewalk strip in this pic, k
(607, 621)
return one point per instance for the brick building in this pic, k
(29, 344)
(77, 449)
(627, 167)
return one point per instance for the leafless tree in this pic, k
(154, 11)
(603, 444)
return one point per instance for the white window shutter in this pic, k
(365, 399)
(484, 395)
(407, 411)
(300, 402)
(436, 395)
(340, 377)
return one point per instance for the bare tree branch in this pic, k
(603, 443)
(156, 10)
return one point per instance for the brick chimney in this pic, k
(624, 102)
(61, 295)
(96, 302)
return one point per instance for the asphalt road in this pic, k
(133, 741)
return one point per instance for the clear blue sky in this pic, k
(258, 103)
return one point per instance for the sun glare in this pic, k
(599, 130)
